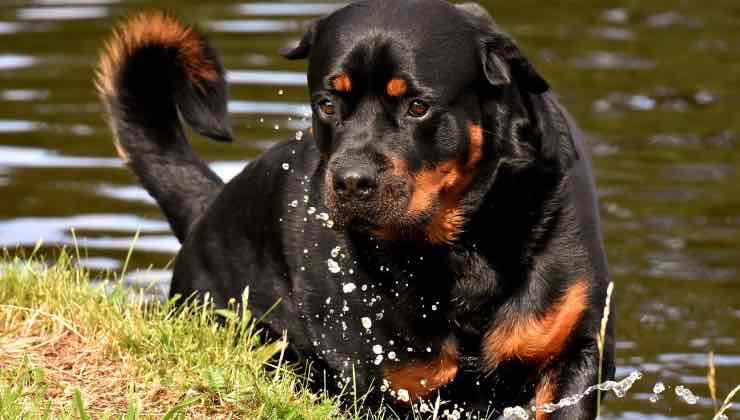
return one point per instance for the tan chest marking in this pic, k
(342, 83)
(447, 183)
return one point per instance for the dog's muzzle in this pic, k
(355, 184)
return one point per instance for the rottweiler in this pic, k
(434, 234)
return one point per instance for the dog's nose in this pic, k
(354, 183)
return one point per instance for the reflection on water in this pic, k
(654, 85)
(56, 13)
(15, 61)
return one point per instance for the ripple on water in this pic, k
(23, 95)
(267, 77)
(62, 13)
(287, 9)
(17, 126)
(607, 60)
(23, 157)
(10, 27)
(56, 231)
(253, 26)
(16, 61)
(269, 108)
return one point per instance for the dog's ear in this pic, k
(502, 59)
(303, 49)
(503, 62)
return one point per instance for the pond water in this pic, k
(653, 83)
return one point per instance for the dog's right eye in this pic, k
(418, 109)
(327, 107)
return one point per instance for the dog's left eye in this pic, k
(418, 109)
(327, 107)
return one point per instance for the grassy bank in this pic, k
(69, 349)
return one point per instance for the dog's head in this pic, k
(415, 103)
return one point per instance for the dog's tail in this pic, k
(152, 72)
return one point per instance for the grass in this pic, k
(73, 349)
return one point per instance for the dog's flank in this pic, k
(153, 70)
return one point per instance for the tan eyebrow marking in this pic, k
(341, 83)
(396, 87)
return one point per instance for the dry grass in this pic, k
(70, 349)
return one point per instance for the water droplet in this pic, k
(658, 389)
(516, 413)
(392, 355)
(367, 323)
(384, 387)
(335, 251)
(281, 92)
(378, 349)
(311, 210)
(293, 203)
(686, 395)
(333, 266)
(286, 166)
(349, 287)
(403, 395)
(299, 135)
(378, 359)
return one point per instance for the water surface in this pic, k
(653, 83)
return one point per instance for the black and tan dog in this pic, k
(436, 232)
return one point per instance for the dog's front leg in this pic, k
(569, 379)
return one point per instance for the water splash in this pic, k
(619, 388)
(516, 413)
(333, 266)
(686, 395)
(658, 389)
(335, 251)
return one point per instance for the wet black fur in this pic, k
(533, 224)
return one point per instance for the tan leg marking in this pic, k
(537, 338)
(545, 393)
(420, 379)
